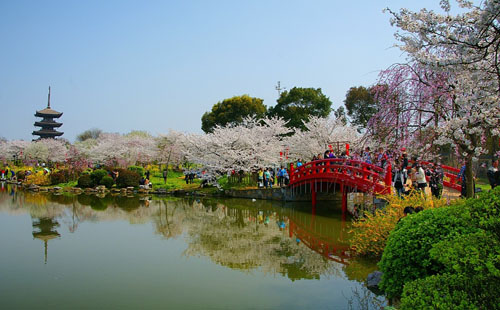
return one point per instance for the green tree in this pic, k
(360, 105)
(232, 110)
(92, 133)
(298, 104)
(340, 114)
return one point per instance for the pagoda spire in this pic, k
(48, 101)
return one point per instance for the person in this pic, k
(165, 174)
(326, 154)
(13, 176)
(3, 173)
(260, 178)
(420, 178)
(493, 174)
(286, 177)
(267, 179)
(404, 158)
(280, 177)
(436, 180)
(399, 179)
(186, 177)
(381, 157)
(142, 181)
(461, 178)
(147, 174)
(299, 163)
(367, 157)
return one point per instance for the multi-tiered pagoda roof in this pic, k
(47, 123)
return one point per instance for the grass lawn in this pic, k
(175, 180)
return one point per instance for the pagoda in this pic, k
(47, 123)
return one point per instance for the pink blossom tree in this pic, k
(466, 46)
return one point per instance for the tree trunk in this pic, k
(469, 177)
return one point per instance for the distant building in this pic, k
(47, 123)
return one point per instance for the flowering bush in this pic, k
(369, 234)
(38, 178)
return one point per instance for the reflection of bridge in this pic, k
(316, 176)
(328, 247)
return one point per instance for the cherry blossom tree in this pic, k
(247, 146)
(413, 101)
(321, 132)
(46, 150)
(14, 147)
(465, 46)
(170, 148)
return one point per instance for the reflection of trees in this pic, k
(234, 235)
(235, 239)
(167, 222)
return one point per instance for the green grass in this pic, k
(225, 184)
(67, 184)
(175, 180)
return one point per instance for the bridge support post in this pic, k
(343, 189)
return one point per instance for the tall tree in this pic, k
(298, 104)
(360, 105)
(232, 111)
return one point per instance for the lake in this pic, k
(114, 252)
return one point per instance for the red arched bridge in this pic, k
(351, 175)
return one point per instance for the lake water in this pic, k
(86, 252)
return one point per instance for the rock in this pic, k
(57, 189)
(34, 188)
(115, 190)
(130, 189)
(76, 190)
(43, 189)
(373, 280)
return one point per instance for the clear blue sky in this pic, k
(155, 65)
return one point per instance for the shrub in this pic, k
(58, 177)
(447, 258)
(97, 175)
(406, 256)
(137, 169)
(369, 234)
(84, 181)
(38, 178)
(127, 178)
(107, 181)
(21, 175)
(437, 292)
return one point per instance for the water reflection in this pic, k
(262, 236)
(45, 230)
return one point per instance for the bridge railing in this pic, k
(353, 173)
